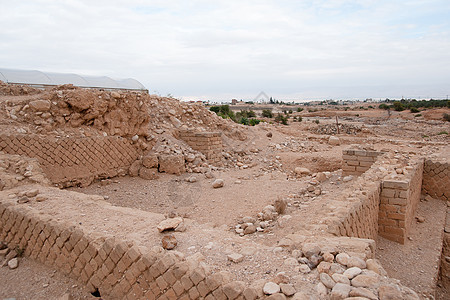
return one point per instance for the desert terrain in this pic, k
(246, 212)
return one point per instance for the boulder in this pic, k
(169, 224)
(150, 161)
(149, 174)
(233, 289)
(302, 171)
(169, 242)
(133, 171)
(334, 141)
(218, 183)
(340, 291)
(171, 163)
(271, 288)
(40, 105)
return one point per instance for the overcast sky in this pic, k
(200, 49)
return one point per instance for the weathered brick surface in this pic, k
(399, 200)
(71, 161)
(356, 162)
(436, 179)
(208, 143)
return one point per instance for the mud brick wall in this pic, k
(436, 179)
(116, 268)
(72, 161)
(208, 143)
(444, 271)
(399, 200)
(356, 162)
(355, 211)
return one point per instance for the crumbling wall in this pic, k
(355, 211)
(116, 268)
(357, 161)
(445, 256)
(399, 200)
(208, 143)
(436, 178)
(74, 160)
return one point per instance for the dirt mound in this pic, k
(16, 89)
(333, 129)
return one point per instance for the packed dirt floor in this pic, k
(261, 165)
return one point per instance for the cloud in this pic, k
(221, 48)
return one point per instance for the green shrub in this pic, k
(254, 122)
(281, 119)
(384, 106)
(299, 109)
(267, 113)
(316, 121)
(299, 119)
(418, 115)
(442, 132)
(398, 106)
(224, 111)
(414, 110)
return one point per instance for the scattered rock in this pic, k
(233, 289)
(150, 161)
(352, 272)
(328, 257)
(271, 288)
(32, 193)
(356, 262)
(327, 280)
(334, 140)
(148, 174)
(304, 269)
(340, 278)
(389, 292)
(169, 242)
(363, 292)
(347, 178)
(13, 263)
(23, 199)
(302, 171)
(366, 281)
(340, 291)
(277, 296)
(41, 198)
(420, 219)
(250, 229)
(287, 289)
(218, 183)
(375, 266)
(235, 257)
(169, 224)
(280, 206)
(310, 249)
(342, 258)
(269, 134)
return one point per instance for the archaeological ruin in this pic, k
(136, 196)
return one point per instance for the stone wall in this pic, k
(356, 161)
(208, 143)
(116, 268)
(445, 256)
(69, 161)
(399, 200)
(436, 179)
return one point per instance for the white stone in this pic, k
(13, 263)
(235, 257)
(352, 272)
(271, 288)
(218, 183)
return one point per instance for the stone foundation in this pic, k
(69, 161)
(208, 143)
(356, 161)
(444, 271)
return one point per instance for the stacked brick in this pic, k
(117, 269)
(361, 219)
(399, 200)
(436, 179)
(445, 256)
(356, 162)
(72, 161)
(208, 143)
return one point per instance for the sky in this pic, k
(219, 50)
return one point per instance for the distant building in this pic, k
(234, 101)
